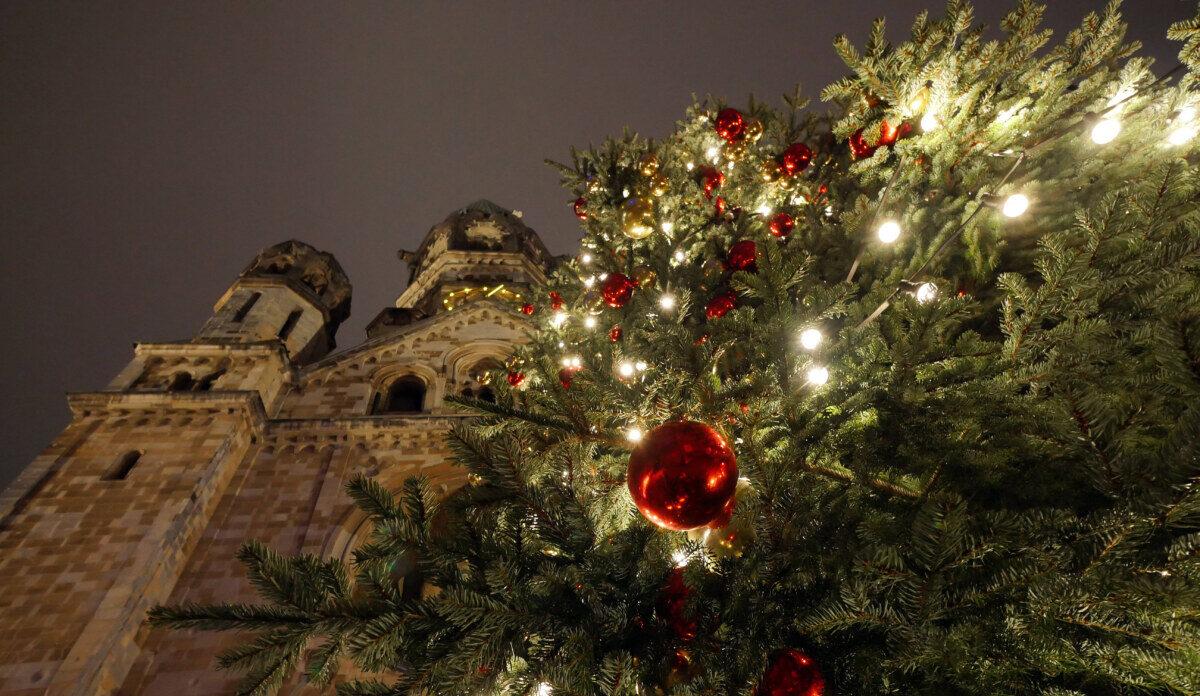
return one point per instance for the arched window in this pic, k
(207, 383)
(182, 381)
(468, 392)
(120, 470)
(289, 324)
(405, 395)
(246, 307)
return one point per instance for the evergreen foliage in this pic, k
(996, 492)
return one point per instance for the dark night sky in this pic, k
(149, 149)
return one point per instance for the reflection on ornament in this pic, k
(742, 256)
(580, 208)
(682, 475)
(637, 218)
(528, 309)
(516, 379)
(771, 171)
(795, 158)
(566, 375)
(616, 290)
(781, 224)
(615, 333)
(791, 673)
(754, 130)
(736, 150)
(648, 164)
(711, 179)
(721, 304)
(859, 147)
(659, 184)
(729, 534)
(645, 277)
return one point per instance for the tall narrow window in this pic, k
(120, 470)
(246, 307)
(289, 324)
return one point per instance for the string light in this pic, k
(586, 258)
(929, 122)
(690, 166)
(711, 153)
(925, 293)
(818, 376)
(589, 281)
(889, 231)
(633, 434)
(1015, 205)
(544, 689)
(1180, 136)
(680, 256)
(668, 227)
(810, 339)
(572, 361)
(589, 322)
(764, 210)
(640, 366)
(1105, 131)
(667, 301)
(558, 319)
(626, 368)
(679, 557)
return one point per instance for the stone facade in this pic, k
(248, 431)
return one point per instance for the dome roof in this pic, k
(316, 271)
(482, 226)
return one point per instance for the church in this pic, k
(249, 430)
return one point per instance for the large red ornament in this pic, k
(792, 673)
(711, 179)
(781, 224)
(580, 208)
(742, 256)
(672, 605)
(859, 147)
(720, 305)
(556, 300)
(682, 475)
(889, 134)
(616, 289)
(516, 379)
(527, 309)
(730, 124)
(795, 158)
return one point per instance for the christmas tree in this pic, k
(898, 395)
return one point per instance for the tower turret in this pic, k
(291, 292)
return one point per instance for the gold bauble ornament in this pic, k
(592, 301)
(648, 164)
(735, 150)
(730, 540)
(645, 277)
(659, 184)
(771, 170)
(754, 130)
(594, 185)
(637, 219)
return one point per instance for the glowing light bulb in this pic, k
(711, 153)
(1180, 136)
(1105, 131)
(764, 210)
(679, 255)
(558, 319)
(1007, 115)
(690, 166)
(590, 322)
(929, 122)
(626, 369)
(818, 376)
(1015, 205)
(640, 366)
(667, 302)
(889, 231)
(810, 339)
(1186, 115)
(576, 361)
(589, 281)
(668, 227)
(544, 689)
(586, 258)
(566, 361)
(679, 558)
(625, 193)
(634, 434)
(829, 211)
(925, 293)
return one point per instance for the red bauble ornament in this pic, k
(682, 475)
(781, 224)
(672, 605)
(720, 305)
(730, 124)
(527, 309)
(615, 333)
(792, 673)
(566, 375)
(711, 179)
(795, 158)
(580, 208)
(556, 300)
(889, 134)
(742, 256)
(859, 147)
(516, 379)
(719, 207)
(616, 289)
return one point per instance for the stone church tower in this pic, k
(248, 430)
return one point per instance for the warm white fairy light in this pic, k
(829, 211)
(626, 368)
(818, 376)
(589, 281)
(1106, 130)
(585, 258)
(667, 301)
(889, 231)
(544, 689)
(640, 366)
(712, 153)
(925, 293)
(558, 319)
(1008, 114)
(679, 557)
(680, 256)
(929, 121)
(764, 210)
(1015, 205)
(589, 322)
(668, 227)
(633, 434)
(690, 166)
(810, 339)
(1181, 136)
(602, 276)
(1186, 115)
(729, 166)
